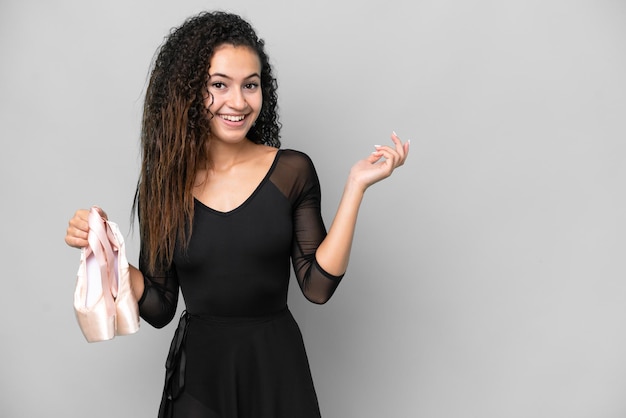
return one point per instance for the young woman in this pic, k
(222, 211)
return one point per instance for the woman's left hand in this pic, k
(380, 164)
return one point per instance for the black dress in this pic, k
(237, 352)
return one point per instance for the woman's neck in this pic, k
(223, 156)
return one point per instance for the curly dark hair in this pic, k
(175, 127)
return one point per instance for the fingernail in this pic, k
(394, 133)
(377, 146)
(409, 142)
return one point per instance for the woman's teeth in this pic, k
(233, 118)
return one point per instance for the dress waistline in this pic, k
(237, 320)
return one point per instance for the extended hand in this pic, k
(380, 164)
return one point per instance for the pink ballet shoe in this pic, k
(93, 301)
(126, 307)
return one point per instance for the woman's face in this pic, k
(235, 97)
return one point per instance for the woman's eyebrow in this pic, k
(230, 78)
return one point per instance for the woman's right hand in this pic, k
(78, 229)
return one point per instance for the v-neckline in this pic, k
(249, 198)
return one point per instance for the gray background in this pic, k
(488, 275)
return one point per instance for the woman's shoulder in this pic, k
(295, 159)
(294, 171)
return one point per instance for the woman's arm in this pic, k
(137, 282)
(334, 252)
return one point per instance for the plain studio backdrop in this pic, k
(488, 276)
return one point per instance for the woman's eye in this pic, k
(218, 85)
(251, 86)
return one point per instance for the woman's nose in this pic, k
(237, 100)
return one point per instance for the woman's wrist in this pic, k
(354, 187)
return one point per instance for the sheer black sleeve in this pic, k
(157, 305)
(296, 177)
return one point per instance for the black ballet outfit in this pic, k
(238, 352)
